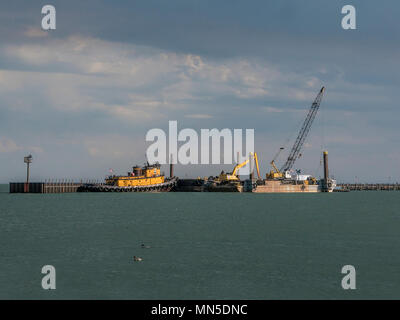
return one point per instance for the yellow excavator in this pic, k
(275, 173)
(233, 176)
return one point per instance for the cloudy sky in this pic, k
(81, 98)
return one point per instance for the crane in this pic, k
(305, 129)
(275, 173)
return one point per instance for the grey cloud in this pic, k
(113, 70)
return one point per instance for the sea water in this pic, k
(202, 245)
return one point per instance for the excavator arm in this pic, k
(258, 168)
(274, 166)
(234, 175)
(237, 167)
(273, 160)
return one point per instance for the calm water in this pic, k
(203, 245)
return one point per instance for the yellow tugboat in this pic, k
(141, 179)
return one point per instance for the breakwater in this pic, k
(44, 187)
(369, 186)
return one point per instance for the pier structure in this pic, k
(56, 186)
(369, 186)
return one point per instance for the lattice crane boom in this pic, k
(305, 129)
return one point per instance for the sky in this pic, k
(81, 98)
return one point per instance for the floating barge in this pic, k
(203, 185)
(273, 186)
(190, 185)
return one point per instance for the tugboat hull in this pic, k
(166, 186)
